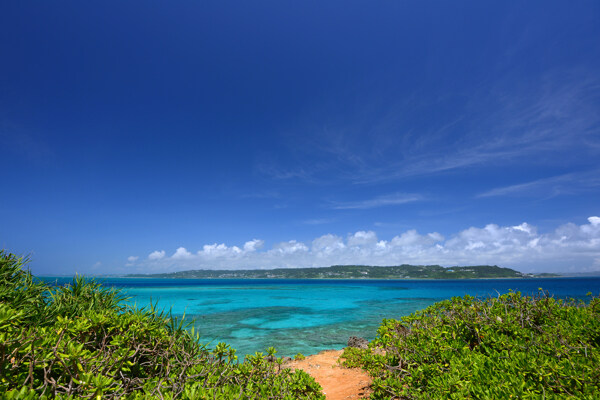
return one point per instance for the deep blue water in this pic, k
(308, 316)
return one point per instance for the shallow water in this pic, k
(308, 316)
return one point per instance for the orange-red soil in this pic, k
(338, 382)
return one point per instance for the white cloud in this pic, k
(212, 251)
(327, 244)
(412, 238)
(156, 255)
(569, 247)
(362, 238)
(253, 245)
(131, 260)
(181, 253)
(525, 227)
(436, 237)
(290, 247)
(218, 250)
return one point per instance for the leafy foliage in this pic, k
(83, 341)
(512, 346)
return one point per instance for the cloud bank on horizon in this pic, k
(569, 248)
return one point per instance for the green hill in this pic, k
(404, 271)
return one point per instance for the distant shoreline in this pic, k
(150, 278)
(337, 279)
(359, 272)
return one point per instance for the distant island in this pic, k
(404, 271)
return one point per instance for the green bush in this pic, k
(84, 341)
(512, 346)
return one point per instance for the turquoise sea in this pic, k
(308, 316)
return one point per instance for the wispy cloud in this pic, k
(317, 221)
(566, 184)
(381, 201)
(551, 121)
(569, 247)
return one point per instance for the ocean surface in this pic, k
(307, 316)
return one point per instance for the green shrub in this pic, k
(299, 357)
(83, 341)
(18, 288)
(512, 346)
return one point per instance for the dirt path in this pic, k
(338, 383)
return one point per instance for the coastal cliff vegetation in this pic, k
(509, 347)
(83, 341)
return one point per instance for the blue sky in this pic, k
(151, 136)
